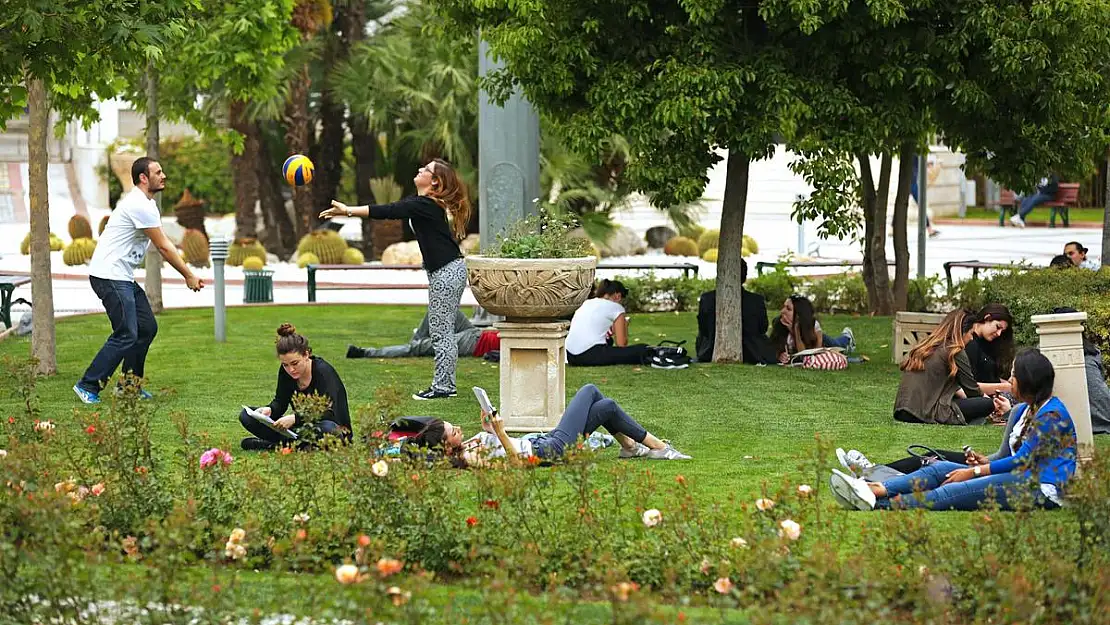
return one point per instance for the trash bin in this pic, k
(258, 286)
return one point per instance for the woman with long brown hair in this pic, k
(938, 384)
(440, 195)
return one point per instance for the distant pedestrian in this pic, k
(1077, 255)
(1046, 192)
(133, 225)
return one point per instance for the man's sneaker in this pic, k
(639, 451)
(666, 362)
(1017, 221)
(851, 492)
(354, 351)
(256, 444)
(851, 338)
(85, 395)
(431, 393)
(667, 453)
(854, 461)
(143, 393)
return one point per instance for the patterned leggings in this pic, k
(445, 289)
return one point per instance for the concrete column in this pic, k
(508, 157)
(1062, 343)
(533, 382)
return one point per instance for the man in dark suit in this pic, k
(753, 313)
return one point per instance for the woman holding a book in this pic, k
(314, 390)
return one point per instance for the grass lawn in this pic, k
(1040, 214)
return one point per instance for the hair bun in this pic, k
(286, 329)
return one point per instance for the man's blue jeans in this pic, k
(133, 330)
(1033, 201)
(1006, 489)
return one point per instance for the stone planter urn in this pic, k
(531, 289)
(532, 294)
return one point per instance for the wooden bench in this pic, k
(8, 285)
(1067, 197)
(796, 264)
(313, 286)
(974, 265)
(910, 328)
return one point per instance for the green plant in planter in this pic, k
(546, 235)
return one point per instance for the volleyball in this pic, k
(297, 170)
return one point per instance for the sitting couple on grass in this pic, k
(585, 413)
(1032, 467)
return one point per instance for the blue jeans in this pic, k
(133, 330)
(922, 489)
(308, 433)
(839, 341)
(585, 413)
(1031, 202)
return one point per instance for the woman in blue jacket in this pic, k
(1042, 459)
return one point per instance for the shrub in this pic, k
(921, 294)
(547, 235)
(844, 292)
(201, 165)
(681, 246)
(650, 293)
(775, 286)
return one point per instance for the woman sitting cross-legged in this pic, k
(586, 412)
(598, 333)
(301, 374)
(1041, 460)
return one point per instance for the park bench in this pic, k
(314, 286)
(802, 264)
(1067, 196)
(974, 265)
(8, 285)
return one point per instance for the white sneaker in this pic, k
(1017, 221)
(851, 338)
(639, 451)
(667, 453)
(851, 492)
(853, 461)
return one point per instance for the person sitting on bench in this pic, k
(753, 325)
(1046, 192)
(598, 333)
(472, 341)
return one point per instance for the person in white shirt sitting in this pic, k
(586, 412)
(133, 226)
(599, 330)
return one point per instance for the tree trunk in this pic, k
(153, 282)
(728, 343)
(901, 240)
(876, 275)
(328, 156)
(364, 145)
(298, 141)
(42, 294)
(243, 172)
(867, 198)
(279, 225)
(1106, 219)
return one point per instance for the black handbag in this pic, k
(927, 455)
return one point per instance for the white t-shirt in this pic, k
(122, 245)
(489, 444)
(590, 324)
(790, 338)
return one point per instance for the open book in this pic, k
(268, 422)
(483, 400)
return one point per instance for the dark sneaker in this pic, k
(431, 393)
(354, 351)
(143, 394)
(666, 362)
(256, 444)
(85, 395)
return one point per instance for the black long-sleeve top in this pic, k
(429, 223)
(325, 381)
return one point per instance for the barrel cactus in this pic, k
(710, 256)
(306, 259)
(352, 256)
(56, 243)
(242, 248)
(327, 245)
(79, 252)
(710, 239)
(79, 227)
(253, 263)
(103, 224)
(750, 245)
(25, 246)
(681, 246)
(194, 248)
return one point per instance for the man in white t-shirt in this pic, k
(133, 225)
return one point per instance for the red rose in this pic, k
(471, 521)
(492, 504)
(91, 429)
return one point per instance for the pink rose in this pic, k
(213, 457)
(97, 489)
(722, 585)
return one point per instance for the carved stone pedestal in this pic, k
(533, 384)
(1062, 343)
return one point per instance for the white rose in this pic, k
(301, 518)
(346, 574)
(764, 505)
(805, 490)
(237, 535)
(380, 468)
(738, 543)
(790, 529)
(3, 454)
(652, 517)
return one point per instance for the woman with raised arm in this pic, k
(440, 195)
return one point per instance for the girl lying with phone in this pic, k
(588, 411)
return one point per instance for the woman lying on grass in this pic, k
(1041, 459)
(588, 411)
